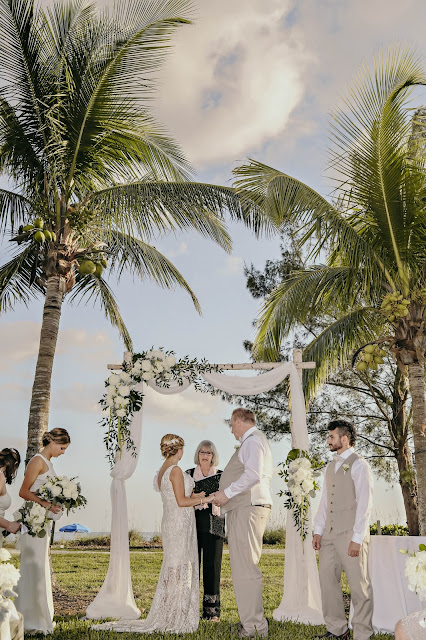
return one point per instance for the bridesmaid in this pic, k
(9, 463)
(34, 599)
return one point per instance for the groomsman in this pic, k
(245, 496)
(342, 535)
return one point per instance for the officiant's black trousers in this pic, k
(210, 550)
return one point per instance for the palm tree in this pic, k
(97, 179)
(374, 231)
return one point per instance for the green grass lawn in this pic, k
(80, 574)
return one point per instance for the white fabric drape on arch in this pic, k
(301, 601)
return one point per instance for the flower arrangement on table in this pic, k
(63, 491)
(9, 576)
(33, 517)
(121, 399)
(299, 473)
(415, 571)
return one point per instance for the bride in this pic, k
(175, 607)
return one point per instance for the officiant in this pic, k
(210, 527)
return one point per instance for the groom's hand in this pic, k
(316, 542)
(354, 549)
(219, 498)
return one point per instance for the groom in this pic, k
(245, 495)
(342, 536)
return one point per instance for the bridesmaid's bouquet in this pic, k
(63, 491)
(34, 518)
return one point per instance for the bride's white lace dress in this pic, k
(175, 607)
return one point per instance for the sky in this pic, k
(249, 78)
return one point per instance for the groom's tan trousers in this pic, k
(246, 526)
(333, 559)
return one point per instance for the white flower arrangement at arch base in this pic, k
(9, 576)
(415, 572)
(122, 399)
(300, 473)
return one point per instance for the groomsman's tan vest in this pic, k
(341, 497)
(235, 469)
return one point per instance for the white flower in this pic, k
(121, 413)
(158, 354)
(125, 377)
(117, 401)
(114, 380)
(170, 361)
(124, 391)
(9, 576)
(67, 493)
(55, 491)
(146, 365)
(167, 376)
(124, 401)
(148, 376)
(4, 555)
(158, 367)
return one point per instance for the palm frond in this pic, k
(284, 198)
(112, 63)
(318, 291)
(149, 208)
(370, 135)
(335, 346)
(15, 278)
(146, 262)
(14, 209)
(97, 291)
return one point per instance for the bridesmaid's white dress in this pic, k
(175, 607)
(5, 502)
(34, 589)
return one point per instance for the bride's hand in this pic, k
(209, 499)
(202, 494)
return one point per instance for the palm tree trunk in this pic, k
(38, 422)
(416, 376)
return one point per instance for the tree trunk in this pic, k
(38, 422)
(399, 434)
(407, 480)
(416, 376)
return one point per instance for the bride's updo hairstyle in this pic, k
(170, 445)
(9, 460)
(58, 435)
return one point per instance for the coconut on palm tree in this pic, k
(373, 231)
(95, 178)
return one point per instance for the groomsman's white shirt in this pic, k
(363, 481)
(256, 457)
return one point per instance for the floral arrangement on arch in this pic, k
(300, 473)
(121, 399)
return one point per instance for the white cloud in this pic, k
(233, 266)
(79, 397)
(179, 251)
(233, 79)
(19, 342)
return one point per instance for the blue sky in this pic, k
(247, 79)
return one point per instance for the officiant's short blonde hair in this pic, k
(245, 415)
(209, 446)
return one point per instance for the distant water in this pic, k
(72, 535)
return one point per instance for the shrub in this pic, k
(274, 536)
(389, 530)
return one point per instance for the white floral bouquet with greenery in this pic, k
(63, 491)
(415, 571)
(34, 518)
(299, 473)
(9, 576)
(121, 399)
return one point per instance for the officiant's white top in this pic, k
(363, 481)
(258, 469)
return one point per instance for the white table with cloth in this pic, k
(392, 599)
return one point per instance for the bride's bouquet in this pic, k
(34, 518)
(63, 491)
